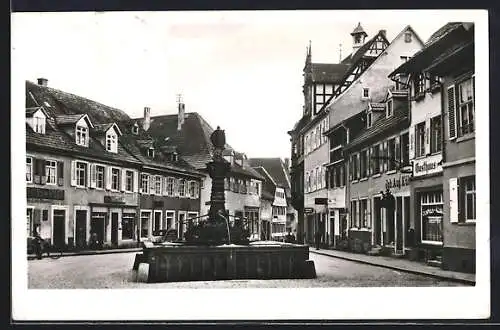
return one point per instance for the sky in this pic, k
(241, 71)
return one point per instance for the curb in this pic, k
(442, 277)
(87, 253)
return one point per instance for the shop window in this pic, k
(431, 208)
(128, 224)
(169, 217)
(436, 134)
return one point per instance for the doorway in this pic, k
(377, 221)
(97, 225)
(59, 228)
(156, 222)
(81, 228)
(114, 228)
(182, 225)
(399, 225)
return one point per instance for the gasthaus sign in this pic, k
(428, 165)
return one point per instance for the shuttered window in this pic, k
(452, 124)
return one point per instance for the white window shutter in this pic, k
(411, 142)
(92, 176)
(123, 177)
(427, 145)
(452, 122)
(136, 181)
(369, 161)
(108, 177)
(381, 160)
(73, 173)
(163, 186)
(139, 179)
(453, 182)
(87, 172)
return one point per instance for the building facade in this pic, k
(442, 80)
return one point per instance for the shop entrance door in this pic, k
(399, 225)
(81, 228)
(377, 221)
(114, 228)
(59, 223)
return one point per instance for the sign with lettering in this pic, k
(397, 182)
(114, 199)
(321, 201)
(336, 198)
(428, 165)
(44, 193)
(308, 210)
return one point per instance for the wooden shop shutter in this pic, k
(453, 182)
(93, 176)
(108, 177)
(73, 173)
(427, 145)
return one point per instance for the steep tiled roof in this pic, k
(68, 119)
(327, 73)
(268, 187)
(276, 169)
(102, 128)
(60, 103)
(382, 126)
(451, 35)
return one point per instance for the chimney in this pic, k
(383, 32)
(147, 118)
(42, 82)
(181, 115)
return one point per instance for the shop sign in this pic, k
(43, 193)
(321, 201)
(336, 199)
(397, 183)
(308, 210)
(114, 200)
(428, 165)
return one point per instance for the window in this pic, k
(157, 185)
(363, 163)
(420, 139)
(39, 124)
(389, 109)
(51, 171)
(192, 189)
(115, 179)
(322, 94)
(111, 143)
(356, 166)
(182, 187)
(29, 169)
(469, 186)
(466, 107)
(391, 148)
(407, 37)
(151, 152)
(144, 183)
(169, 217)
(82, 135)
(369, 116)
(354, 220)
(135, 129)
(419, 83)
(432, 216)
(129, 181)
(99, 171)
(145, 216)
(81, 174)
(128, 224)
(170, 186)
(375, 161)
(366, 92)
(436, 134)
(405, 149)
(363, 213)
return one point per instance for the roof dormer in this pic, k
(36, 118)
(151, 152)
(135, 129)
(228, 155)
(108, 135)
(77, 124)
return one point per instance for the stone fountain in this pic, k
(218, 249)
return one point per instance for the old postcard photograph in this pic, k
(250, 165)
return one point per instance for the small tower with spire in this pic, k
(358, 37)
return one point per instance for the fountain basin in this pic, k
(259, 260)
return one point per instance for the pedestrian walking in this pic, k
(317, 238)
(38, 245)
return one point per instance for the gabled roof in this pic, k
(276, 169)
(72, 119)
(268, 186)
(31, 111)
(327, 73)
(382, 126)
(376, 106)
(101, 129)
(63, 103)
(451, 35)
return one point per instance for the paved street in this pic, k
(114, 271)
